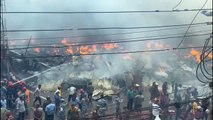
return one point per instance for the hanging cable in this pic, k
(177, 4)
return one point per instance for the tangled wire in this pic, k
(204, 68)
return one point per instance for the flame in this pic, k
(70, 50)
(196, 53)
(65, 41)
(148, 45)
(37, 50)
(86, 49)
(159, 45)
(110, 46)
(210, 56)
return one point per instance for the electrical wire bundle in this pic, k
(204, 68)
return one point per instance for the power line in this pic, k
(97, 35)
(109, 42)
(111, 53)
(177, 4)
(191, 23)
(103, 12)
(139, 27)
(94, 41)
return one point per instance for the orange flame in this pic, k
(210, 56)
(86, 49)
(196, 53)
(159, 45)
(70, 50)
(37, 50)
(110, 46)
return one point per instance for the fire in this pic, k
(86, 49)
(70, 50)
(196, 53)
(65, 41)
(149, 45)
(210, 56)
(37, 50)
(110, 46)
(159, 45)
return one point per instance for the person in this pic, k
(84, 107)
(164, 102)
(117, 105)
(152, 90)
(164, 88)
(38, 113)
(90, 90)
(205, 105)
(57, 100)
(138, 99)
(4, 112)
(103, 106)
(62, 110)
(37, 95)
(3, 102)
(50, 110)
(46, 102)
(73, 113)
(23, 94)
(72, 92)
(197, 110)
(195, 93)
(130, 97)
(95, 115)
(21, 108)
(155, 109)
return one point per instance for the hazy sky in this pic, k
(46, 21)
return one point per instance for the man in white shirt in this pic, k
(3, 103)
(21, 109)
(37, 94)
(155, 109)
(72, 92)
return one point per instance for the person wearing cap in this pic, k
(37, 95)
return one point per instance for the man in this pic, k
(73, 113)
(72, 92)
(152, 90)
(103, 106)
(138, 101)
(21, 108)
(37, 94)
(57, 100)
(155, 109)
(38, 113)
(130, 97)
(117, 105)
(50, 110)
(90, 90)
(164, 88)
(47, 102)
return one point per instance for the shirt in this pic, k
(50, 109)
(21, 106)
(37, 92)
(72, 90)
(155, 109)
(4, 103)
(138, 99)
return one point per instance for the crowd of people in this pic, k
(79, 104)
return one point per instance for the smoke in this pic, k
(54, 21)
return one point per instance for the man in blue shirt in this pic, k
(50, 110)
